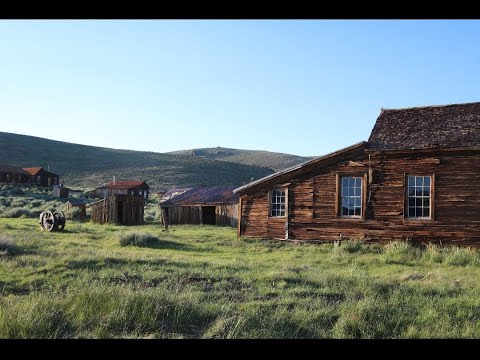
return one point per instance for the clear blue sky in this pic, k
(305, 87)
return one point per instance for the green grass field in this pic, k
(201, 282)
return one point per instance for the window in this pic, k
(277, 202)
(351, 196)
(419, 196)
(39, 179)
(140, 192)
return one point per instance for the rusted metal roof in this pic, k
(12, 169)
(428, 127)
(170, 193)
(33, 170)
(211, 195)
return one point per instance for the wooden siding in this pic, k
(119, 209)
(225, 215)
(312, 213)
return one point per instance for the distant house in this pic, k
(10, 174)
(214, 205)
(131, 187)
(120, 209)
(416, 178)
(41, 177)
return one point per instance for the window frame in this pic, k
(338, 203)
(406, 197)
(270, 192)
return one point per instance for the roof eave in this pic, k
(299, 166)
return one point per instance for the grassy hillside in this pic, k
(201, 282)
(90, 166)
(266, 159)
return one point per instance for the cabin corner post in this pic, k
(239, 221)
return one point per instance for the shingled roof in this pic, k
(212, 195)
(429, 127)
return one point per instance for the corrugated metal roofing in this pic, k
(213, 195)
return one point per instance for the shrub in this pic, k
(72, 213)
(137, 239)
(7, 245)
(19, 212)
(400, 252)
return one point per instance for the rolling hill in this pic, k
(266, 159)
(90, 166)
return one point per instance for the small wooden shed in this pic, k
(80, 204)
(213, 205)
(60, 191)
(120, 209)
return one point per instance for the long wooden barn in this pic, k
(416, 178)
(214, 205)
(120, 209)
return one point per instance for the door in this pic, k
(208, 215)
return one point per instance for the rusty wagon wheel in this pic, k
(49, 222)
(60, 219)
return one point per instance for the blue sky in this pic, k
(305, 87)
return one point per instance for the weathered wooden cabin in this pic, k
(416, 178)
(80, 204)
(41, 177)
(11, 174)
(213, 205)
(131, 187)
(120, 209)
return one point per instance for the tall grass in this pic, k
(202, 282)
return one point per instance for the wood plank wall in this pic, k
(312, 201)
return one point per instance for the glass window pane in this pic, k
(358, 211)
(419, 181)
(351, 191)
(426, 202)
(351, 182)
(411, 201)
(344, 181)
(426, 181)
(411, 212)
(426, 212)
(426, 191)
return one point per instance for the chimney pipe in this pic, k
(113, 179)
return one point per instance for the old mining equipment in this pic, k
(52, 220)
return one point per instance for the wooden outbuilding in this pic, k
(130, 187)
(417, 178)
(60, 191)
(80, 204)
(120, 209)
(213, 205)
(41, 177)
